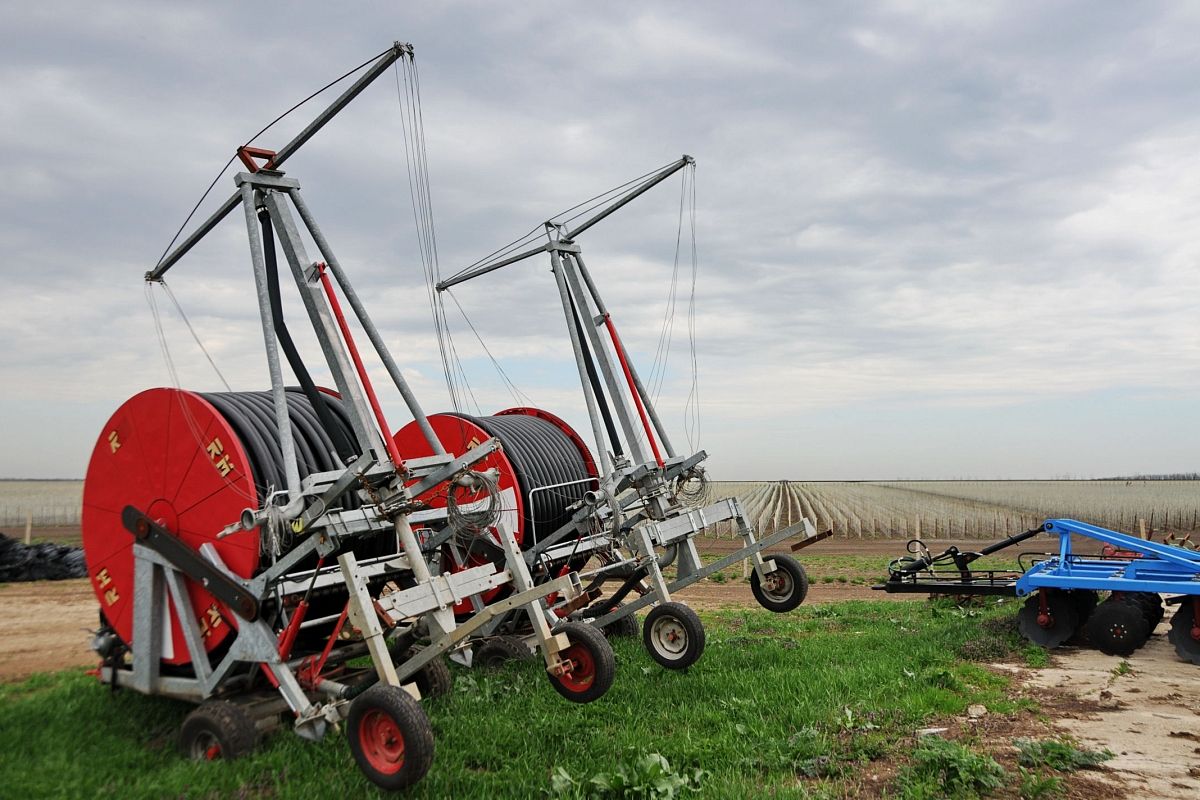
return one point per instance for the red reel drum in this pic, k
(170, 454)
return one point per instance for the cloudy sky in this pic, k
(935, 240)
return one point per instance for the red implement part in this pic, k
(247, 155)
(393, 452)
(1044, 617)
(309, 673)
(580, 671)
(171, 454)
(637, 398)
(381, 742)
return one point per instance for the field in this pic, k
(48, 503)
(963, 509)
(929, 509)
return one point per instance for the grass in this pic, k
(793, 705)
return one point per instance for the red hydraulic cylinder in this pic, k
(637, 398)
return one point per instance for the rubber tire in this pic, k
(1062, 609)
(226, 725)
(495, 653)
(799, 580)
(598, 652)
(1117, 628)
(413, 726)
(1180, 634)
(688, 623)
(433, 679)
(1150, 604)
(1085, 602)
(629, 625)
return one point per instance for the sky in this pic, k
(933, 240)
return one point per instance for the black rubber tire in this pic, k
(626, 627)
(1117, 628)
(1085, 602)
(673, 635)
(496, 652)
(1180, 634)
(218, 729)
(390, 737)
(1062, 612)
(433, 679)
(629, 625)
(596, 664)
(792, 589)
(1150, 604)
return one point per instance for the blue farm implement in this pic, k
(1063, 588)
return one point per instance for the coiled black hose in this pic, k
(252, 417)
(542, 455)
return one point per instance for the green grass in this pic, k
(793, 705)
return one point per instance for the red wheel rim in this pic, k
(381, 742)
(583, 669)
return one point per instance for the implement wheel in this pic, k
(1085, 601)
(627, 626)
(592, 664)
(433, 679)
(390, 737)
(1185, 632)
(785, 588)
(1118, 627)
(218, 729)
(495, 653)
(1150, 605)
(1052, 628)
(674, 635)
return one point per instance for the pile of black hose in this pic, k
(39, 562)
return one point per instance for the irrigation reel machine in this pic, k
(245, 546)
(621, 522)
(250, 549)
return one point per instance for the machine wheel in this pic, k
(218, 729)
(1085, 601)
(626, 626)
(786, 586)
(1150, 605)
(495, 653)
(1051, 632)
(1117, 628)
(390, 737)
(433, 679)
(1185, 633)
(674, 635)
(593, 665)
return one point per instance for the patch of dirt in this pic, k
(44, 626)
(1149, 717)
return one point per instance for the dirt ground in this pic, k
(1149, 717)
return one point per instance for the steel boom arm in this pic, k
(568, 235)
(397, 51)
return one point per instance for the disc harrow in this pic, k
(1063, 587)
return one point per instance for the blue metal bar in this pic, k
(1158, 568)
